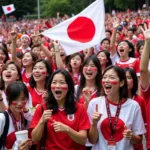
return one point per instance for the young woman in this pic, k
(10, 73)
(40, 74)
(17, 97)
(89, 86)
(3, 55)
(116, 120)
(28, 60)
(74, 67)
(104, 58)
(132, 82)
(65, 120)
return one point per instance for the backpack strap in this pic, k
(5, 131)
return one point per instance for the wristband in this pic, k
(1, 99)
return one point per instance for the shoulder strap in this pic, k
(5, 131)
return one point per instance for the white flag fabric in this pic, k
(81, 31)
(8, 9)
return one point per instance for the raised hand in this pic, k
(13, 34)
(116, 23)
(96, 116)
(146, 32)
(46, 116)
(87, 94)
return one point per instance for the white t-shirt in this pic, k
(130, 115)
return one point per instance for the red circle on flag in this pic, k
(82, 29)
(9, 8)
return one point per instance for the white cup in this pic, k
(22, 135)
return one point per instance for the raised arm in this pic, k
(144, 73)
(113, 39)
(13, 35)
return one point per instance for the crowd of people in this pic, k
(98, 98)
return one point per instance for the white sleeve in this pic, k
(90, 111)
(29, 102)
(138, 127)
(2, 123)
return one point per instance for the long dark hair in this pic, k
(5, 52)
(96, 62)
(51, 102)
(135, 80)
(2, 84)
(14, 90)
(123, 91)
(49, 71)
(107, 54)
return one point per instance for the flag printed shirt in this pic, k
(130, 115)
(60, 140)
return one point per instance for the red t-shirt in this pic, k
(60, 140)
(36, 96)
(133, 63)
(146, 96)
(25, 78)
(94, 95)
(142, 104)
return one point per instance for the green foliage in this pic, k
(125, 4)
(22, 6)
(51, 7)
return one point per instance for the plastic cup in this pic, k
(22, 135)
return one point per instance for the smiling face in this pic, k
(39, 72)
(90, 71)
(59, 87)
(102, 58)
(123, 49)
(111, 83)
(10, 74)
(27, 59)
(76, 62)
(17, 105)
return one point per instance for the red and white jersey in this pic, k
(11, 138)
(93, 95)
(20, 49)
(146, 97)
(25, 78)
(133, 63)
(130, 115)
(36, 97)
(60, 140)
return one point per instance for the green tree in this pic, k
(124, 4)
(51, 7)
(22, 6)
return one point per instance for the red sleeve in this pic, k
(84, 122)
(137, 67)
(37, 116)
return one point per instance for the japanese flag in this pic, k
(8, 9)
(81, 31)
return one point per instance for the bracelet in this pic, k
(1, 99)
